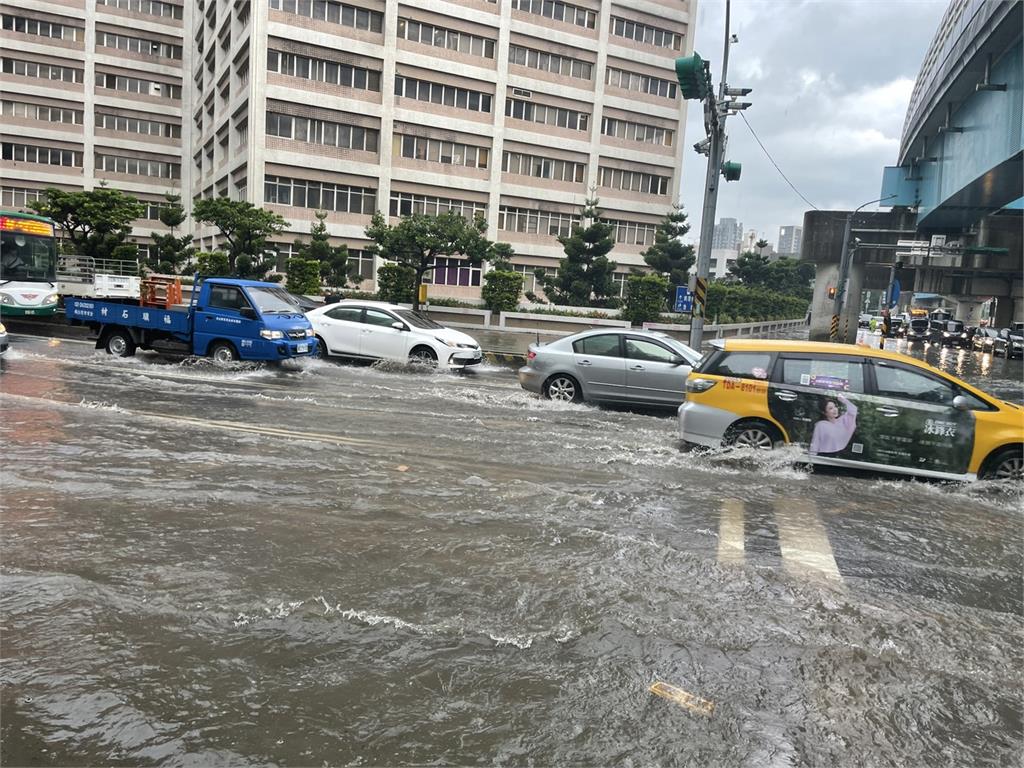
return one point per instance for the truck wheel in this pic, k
(223, 352)
(120, 344)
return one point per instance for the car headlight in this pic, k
(5, 299)
(699, 385)
(446, 342)
(51, 299)
(945, 334)
(467, 346)
(963, 335)
(309, 332)
(268, 334)
(2, 328)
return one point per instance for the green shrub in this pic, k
(213, 264)
(395, 283)
(303, 276)
(752, 304)
(501, 290)
(645, 298)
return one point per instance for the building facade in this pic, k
(728, 233)
(515, 110)
(789, 241)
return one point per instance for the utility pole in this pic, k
(694, 75)
(845, 262)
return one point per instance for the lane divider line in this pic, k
(803, 540)
(731, 547)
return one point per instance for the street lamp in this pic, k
(845, 262)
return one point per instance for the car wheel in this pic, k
(321, 349)
(1008, 464)
(424, 356)
(223, 352)
(563, 387)
(751, 434)
(120, 344)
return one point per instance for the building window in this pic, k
(631, 81)
(437, 151)
(428, 34)
(644, 33)
(529, 273)
(321, 196)
(571, 14)
(41, 28)
(448, 95)
(453, 272)
(533, 221)
(322, 132)
(646, 134)
(336, 13)
(323, 71)
(30, 153)
(633, 233)
(138, 45)
(407, 204)
(20, 197)
(633, 181)
(541, 113)
(132, 166)
(136, 85)
(147, 7)
(363, 261)
(41, 113)
(543, 167)
(137, 125)
(41, 71)
(550, 62)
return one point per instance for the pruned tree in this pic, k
(417, 241)
(96, 222)
(750, 268)
(668, 254)
(584, 276)
(172, 251)
(332, 262)
(246, 228)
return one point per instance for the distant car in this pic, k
(954, 334)
(864, 320)
(375, 330)
(985, 340)
(1008, 344)
(3, 339)
(851, 406)
(302, 302)
(918, 330)
(610, 365)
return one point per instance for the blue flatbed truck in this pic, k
(226, 319)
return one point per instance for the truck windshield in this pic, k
(272, 301)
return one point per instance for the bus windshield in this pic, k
(28, 250)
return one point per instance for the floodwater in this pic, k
(343, 565)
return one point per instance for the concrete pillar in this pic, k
(821, 305)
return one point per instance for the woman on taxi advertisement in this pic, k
(833, 432)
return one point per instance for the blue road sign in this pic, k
(684, 300)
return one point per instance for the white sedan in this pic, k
(374, 330)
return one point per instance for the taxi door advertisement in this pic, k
(832, 418)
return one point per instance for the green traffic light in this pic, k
(731, 171)
(691, 72)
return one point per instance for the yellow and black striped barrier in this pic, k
(700, 296)
(833, 332)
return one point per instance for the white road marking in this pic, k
(730, 533)
(806, 549)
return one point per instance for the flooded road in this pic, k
(343, 565)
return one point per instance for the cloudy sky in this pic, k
(831, 80)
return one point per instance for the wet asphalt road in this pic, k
(335, 564)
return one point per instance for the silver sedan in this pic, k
(614, 366)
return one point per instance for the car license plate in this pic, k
(300, 348)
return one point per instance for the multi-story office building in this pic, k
(515, 110)
(728, 233)
(93, 92)
(789, 241)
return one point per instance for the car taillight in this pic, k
(530, 355)
(699, 385)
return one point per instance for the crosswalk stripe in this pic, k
(803, 540)
(730, 533)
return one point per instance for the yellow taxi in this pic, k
(851, 406)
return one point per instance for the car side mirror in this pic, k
(398, 326)
(961, 403)
(677, 360)
(247, 312)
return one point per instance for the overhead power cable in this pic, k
(768, 155)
